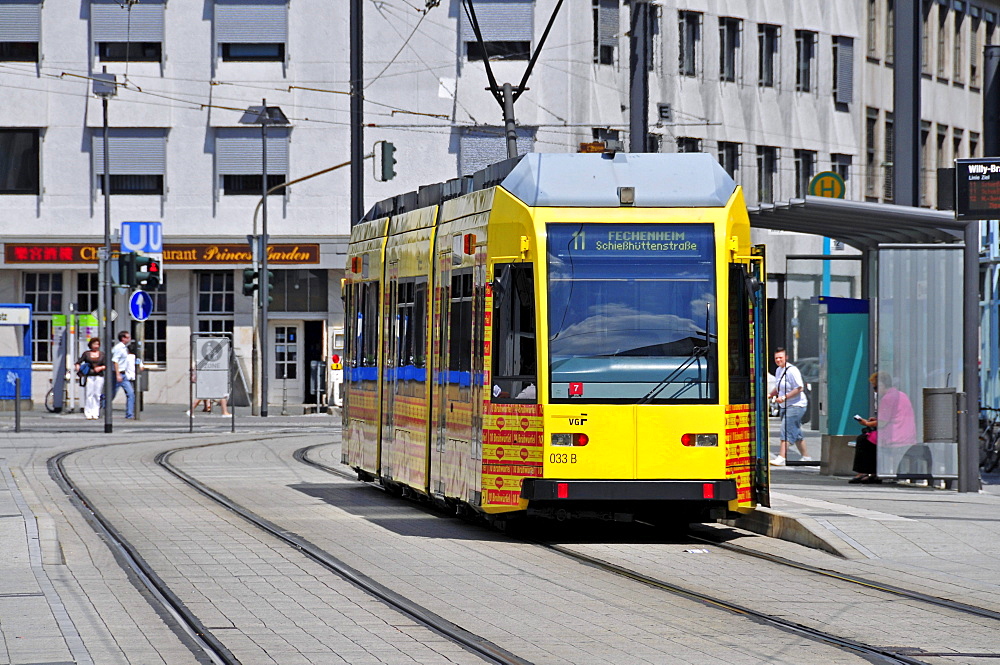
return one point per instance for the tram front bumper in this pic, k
(535, 489)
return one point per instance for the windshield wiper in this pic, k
(695, 357)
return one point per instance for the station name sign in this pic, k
(977, 188)
(189, 254)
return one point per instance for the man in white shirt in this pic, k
(791, 396)
(119, 360)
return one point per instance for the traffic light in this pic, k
(388, 161)
(249, 281)
(270, 285)
(147, 272)
(153, 278)
(126, 269)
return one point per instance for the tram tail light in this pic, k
(707, 491)
(356, 264)
(562, 490)
(700, 440)
(469, 243)
(574, 439)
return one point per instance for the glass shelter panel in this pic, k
(919, 355)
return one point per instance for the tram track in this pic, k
(486, 650)
(206, 646)
(877, 653)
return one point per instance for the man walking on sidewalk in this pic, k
(119, 360)
(791, 397)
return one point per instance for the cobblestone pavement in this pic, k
(64, 598)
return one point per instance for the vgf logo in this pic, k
(577, 421)
(145, 237)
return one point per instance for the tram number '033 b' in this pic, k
(562, 458)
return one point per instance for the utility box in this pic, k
(15, 355)
(843, 379)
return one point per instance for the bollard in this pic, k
(284, 395)
(17, 404)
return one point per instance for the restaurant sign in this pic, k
(191, 254)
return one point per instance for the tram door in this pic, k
(286, 375)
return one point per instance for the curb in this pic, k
(794, 528)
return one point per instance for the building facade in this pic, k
(779, 90)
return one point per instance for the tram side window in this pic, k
(368, 351)
(460, 330)
(739, 336)
(411, 320)
(514, 357)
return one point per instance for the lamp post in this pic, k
(262, 115)
(105, 87)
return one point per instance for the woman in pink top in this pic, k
(895, 423)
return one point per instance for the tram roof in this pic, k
(660, 180)
(861, 224)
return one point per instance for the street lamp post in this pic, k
(263, 115)
(105, 87)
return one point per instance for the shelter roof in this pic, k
(858, 223)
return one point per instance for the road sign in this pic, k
(828, 184)
(145, 237)
(212, 363)
(140, 305)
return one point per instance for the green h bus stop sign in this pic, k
(828, 184)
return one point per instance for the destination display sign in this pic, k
(679, 241)
(977, 188)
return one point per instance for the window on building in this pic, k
(958, 51)
(805, 169)
(507, 27)
(19, 173)
(605, 134)
(215, 292)
(925, 37)
(87, 292)
(44, 292)
(478, 147)
(767, 54)
(729, 157)
(871, 41)
(239, 160)
(805, 59)
(942, 147)
(154, 348)
(130, 32)
(871, 165)
(843, 70)
(888, 190)
(926, 163)
(215, 325)
(974, 54)
(957, 136)
(974, 144)
(130, 51)
(137, 160)
(767, 171)
(841, 165)
(890, 28)
(606, 28)
(20, 31)
(942, 42)
(689, 42)
(300, 291)
(688, 144)
(730, 43)
(251, 30)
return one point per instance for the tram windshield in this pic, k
(632, 313)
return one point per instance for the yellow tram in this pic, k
(561, 335)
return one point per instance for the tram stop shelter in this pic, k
(920, 273)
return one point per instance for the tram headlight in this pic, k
(700, 440)
(574, 439)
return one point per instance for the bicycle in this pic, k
(989, 438)
(50, 396)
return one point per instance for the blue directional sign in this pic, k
(140, 305)
(144, 237)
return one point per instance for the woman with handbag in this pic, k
(90, 368)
